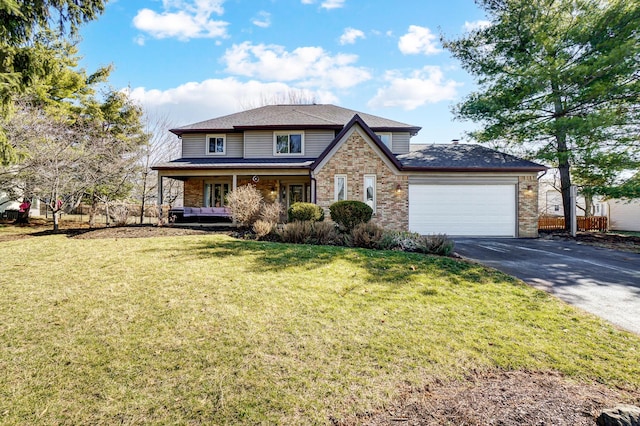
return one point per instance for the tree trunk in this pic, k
(562, 155)
(588, 205)
(144, 195)
(93, 209)
(56, 220)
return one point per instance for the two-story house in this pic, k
(325, 153)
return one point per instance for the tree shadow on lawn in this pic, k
(378, 265)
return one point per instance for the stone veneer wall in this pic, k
(193, 193)
(527, 207)
(355, 158)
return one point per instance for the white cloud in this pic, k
(418, 40)
(327, 4)
(183, 20)
(350, 36)
(332, 4)
(421, 87)
(262, 20)
(308, 66)
(197, 101)
(476, 25)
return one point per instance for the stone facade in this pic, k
(527, 207)
(356, 158)
(194, 192)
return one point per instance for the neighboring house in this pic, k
(8, 204)
(550, 201)
(325, 153)
(624, 215)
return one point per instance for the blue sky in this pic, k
(192, 60)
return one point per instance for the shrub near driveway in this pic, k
(212, 330)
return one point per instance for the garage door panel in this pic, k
(464, 210)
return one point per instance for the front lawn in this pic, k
(210, 330)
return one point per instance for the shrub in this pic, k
(325, 233)
(438, 244)
(263, 228)
(298, 232)
(349, 213)
(245, 203)
(400, 240)
(305, 211)
(366, 235)
(413, 242)
(119, 214)
(271, 212)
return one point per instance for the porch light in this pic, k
(529, 189)
(398, 188)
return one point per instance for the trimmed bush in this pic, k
(366, 235)
(305, 211)
(349, 213)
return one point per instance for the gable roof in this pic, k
(464, 157)
(357, 120)
(317, 116)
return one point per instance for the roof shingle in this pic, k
(464, 157)
(293, 116)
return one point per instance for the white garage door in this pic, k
(463, 210)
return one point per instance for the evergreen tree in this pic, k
(561, 78)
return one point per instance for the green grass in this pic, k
(211, 330)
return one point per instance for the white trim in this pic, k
(335, 187)
(288, 133)
(364, 191)
(217, 136)
(390, 144)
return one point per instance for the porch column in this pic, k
(234, 185)
(312, 181)
(160, 191)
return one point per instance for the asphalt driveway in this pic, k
(601, 281)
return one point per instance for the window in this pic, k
(287, 143)
(340, 187)
(370, 191)
(216, 145)
(385, 138)
(215, 194)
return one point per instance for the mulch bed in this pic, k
(507, 398)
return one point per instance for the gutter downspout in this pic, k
(312, 179)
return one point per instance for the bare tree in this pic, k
(60, 162)
(291, 97)
(161, 146)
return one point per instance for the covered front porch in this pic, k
(205, 192)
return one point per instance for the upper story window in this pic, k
(385, 138)
(216, 145)
(288, 143)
